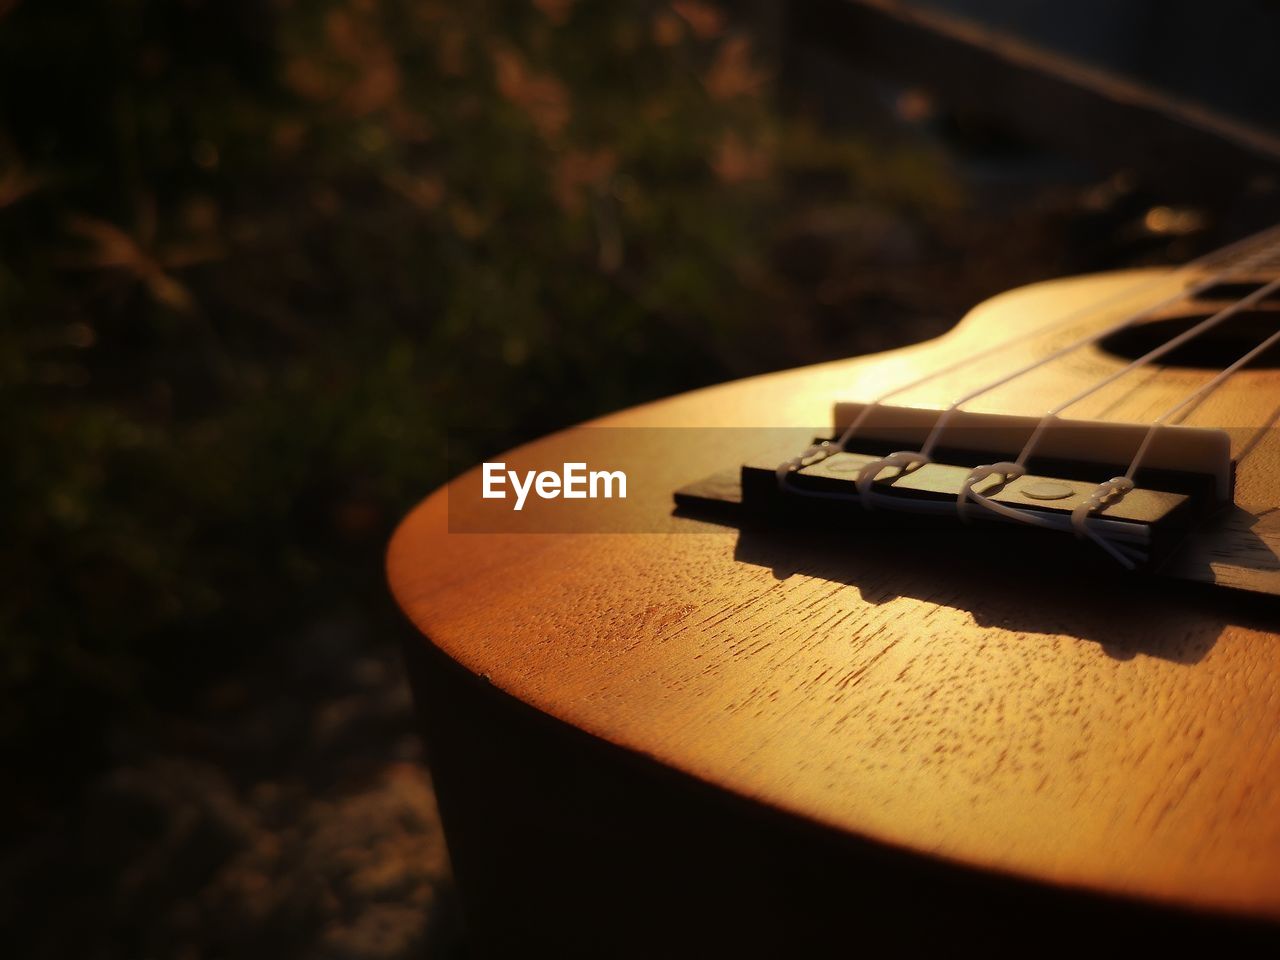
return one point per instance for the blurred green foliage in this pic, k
(259, 261)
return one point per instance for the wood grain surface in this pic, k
(1025, 712)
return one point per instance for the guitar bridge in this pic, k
(1186, 472)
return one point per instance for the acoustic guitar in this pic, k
(972, 642)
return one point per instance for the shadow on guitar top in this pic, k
(1018, 586)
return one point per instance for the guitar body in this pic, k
(693, 737)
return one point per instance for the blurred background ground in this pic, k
(260, 262)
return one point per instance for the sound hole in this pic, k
(1216, 348)
(1231, 291)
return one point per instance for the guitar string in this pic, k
(1115, 488)
(817, 452)
(1087, 311)
(905, 460)
(1180, 410)
(1155, 354)
(1081, 522)
(1192, 291)
(1186, 407)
